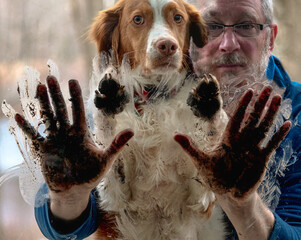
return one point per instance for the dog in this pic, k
(144, 80)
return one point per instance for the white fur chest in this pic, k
(153, 186)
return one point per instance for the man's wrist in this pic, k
(67, 226)
(70, 204)
(250, 217)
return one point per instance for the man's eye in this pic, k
(139, 20)
(213, 27)
(178, 18)
(247, 26)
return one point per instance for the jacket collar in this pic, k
(275, 71)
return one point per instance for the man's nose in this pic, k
(229, 42)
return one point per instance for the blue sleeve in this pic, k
(284, 231)
(288, 211)
(89, 226)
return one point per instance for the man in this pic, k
(241, 39)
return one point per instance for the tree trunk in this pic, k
(82, 14)
(287, 14)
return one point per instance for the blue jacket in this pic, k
(288, 209)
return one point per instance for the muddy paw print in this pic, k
(110, 96)
(205, 99)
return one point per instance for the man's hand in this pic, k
(237, 165)
(235, 168)
(71, 162)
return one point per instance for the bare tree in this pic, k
(288, 48)
(26, 38)
(82, 14)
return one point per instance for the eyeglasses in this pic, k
(247, 30)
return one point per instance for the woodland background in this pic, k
(32, 31)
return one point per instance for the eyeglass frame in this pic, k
(261, 27)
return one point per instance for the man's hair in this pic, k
(267, 7)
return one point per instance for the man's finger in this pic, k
(258, 108)
(268, 119)
(78, 109)
(108, 157)
(58, 102)
(277, 138)
(235, 122)
(118, 143)
(190, 148)
(27, 128)
(46, 110)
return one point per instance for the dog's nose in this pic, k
(167, 47)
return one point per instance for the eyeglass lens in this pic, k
(244, 30)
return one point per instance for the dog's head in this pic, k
(155, 34)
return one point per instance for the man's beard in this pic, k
(233, 84)
(229, 59)
(256, 70)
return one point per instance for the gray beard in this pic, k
(256, 70)
(233, 84)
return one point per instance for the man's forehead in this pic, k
(223, 2)
(231, 9)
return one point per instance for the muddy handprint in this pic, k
(238, 163)
(68, 154)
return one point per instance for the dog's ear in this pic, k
(105, 31)
(197, 28)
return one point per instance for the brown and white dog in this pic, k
(146, 84)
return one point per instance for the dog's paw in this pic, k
(205, 100)
(110, 96)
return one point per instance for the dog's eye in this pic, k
(178, 18)
(139, 20)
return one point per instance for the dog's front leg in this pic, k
(110, 99)
(205, 101)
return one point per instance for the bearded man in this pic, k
(242, 34)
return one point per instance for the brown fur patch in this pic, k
(114, 29)
(107, 229)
